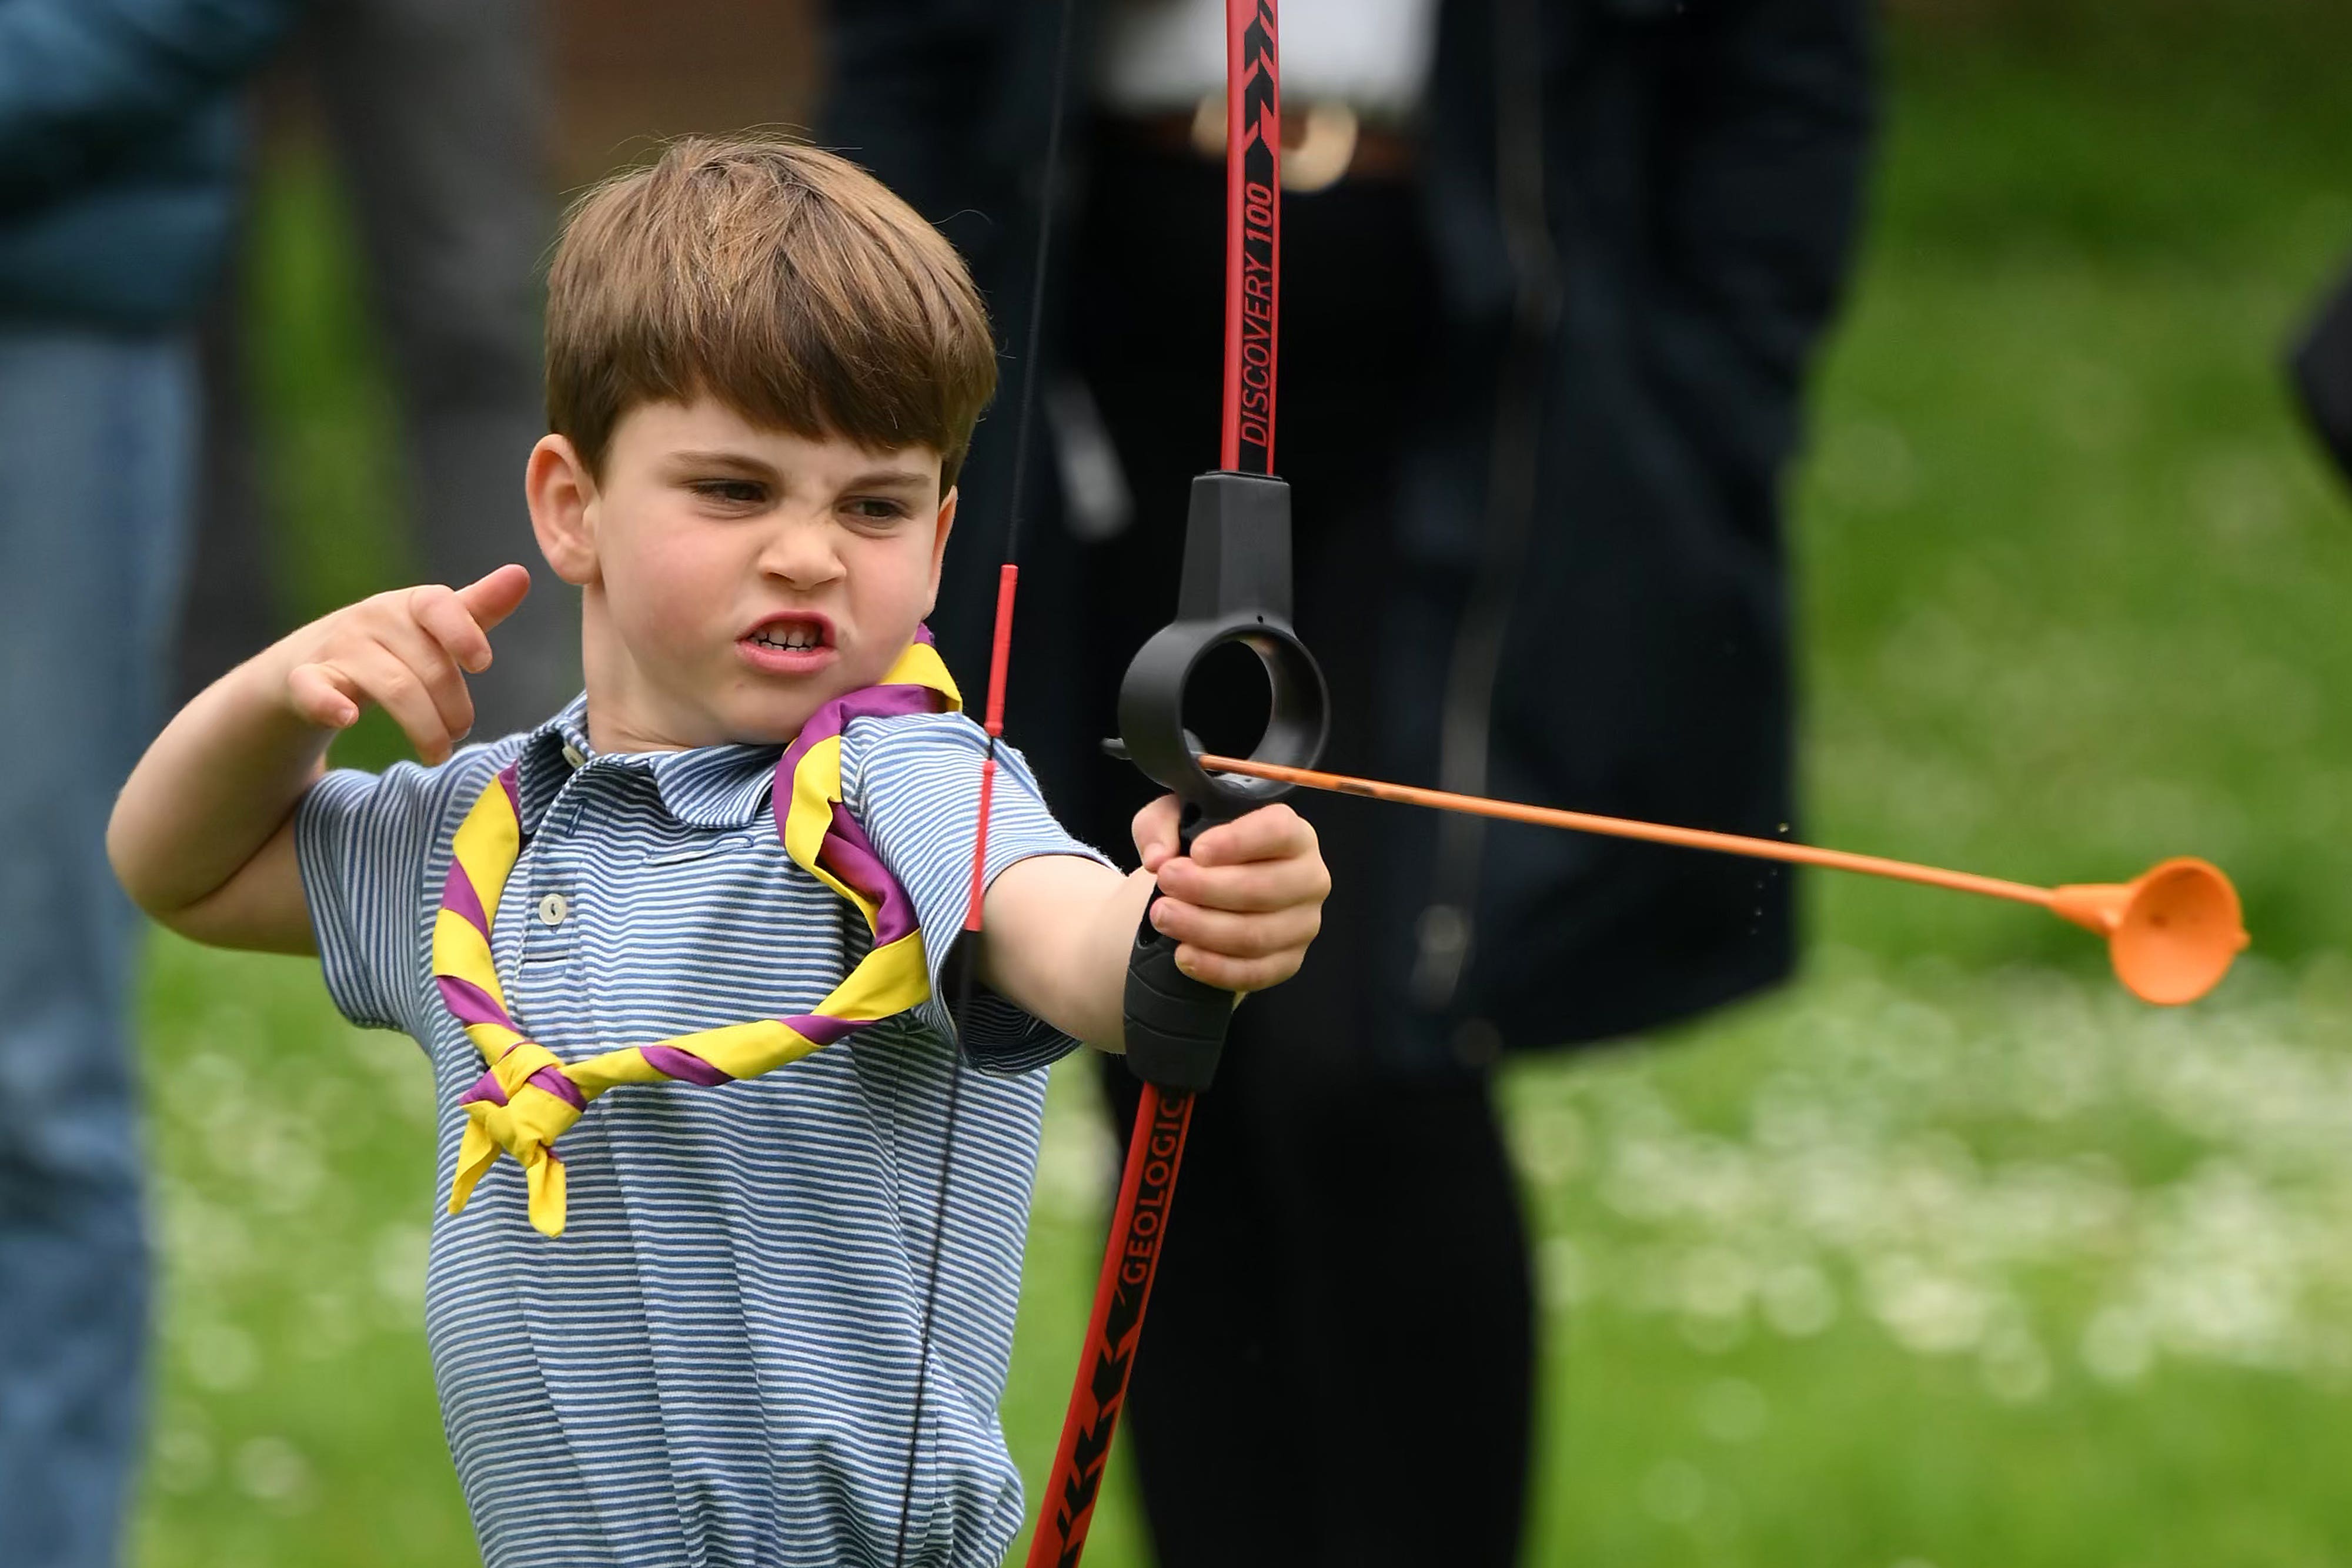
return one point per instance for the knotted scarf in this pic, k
(528, 1096)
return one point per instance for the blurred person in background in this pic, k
(437, 113)
(1553, 273)
(2320, 365)
(119, 147)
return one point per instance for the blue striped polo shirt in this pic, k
(716, 1363)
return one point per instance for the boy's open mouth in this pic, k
(789, 644)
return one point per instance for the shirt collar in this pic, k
(713, 787)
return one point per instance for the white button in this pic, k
(553, 908)
(574, 756)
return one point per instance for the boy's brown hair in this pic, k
(785, 282)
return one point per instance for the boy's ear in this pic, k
(939, 545)
(562, 497)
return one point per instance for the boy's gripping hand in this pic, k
(407, 651)
(1243, 907)
(1245, 903)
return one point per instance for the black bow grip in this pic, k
(1235, 589)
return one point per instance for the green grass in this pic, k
(1955, 1266)
(294, 1156)
(2073, 579)
(1950, 1255)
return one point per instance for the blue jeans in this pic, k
(96, 438)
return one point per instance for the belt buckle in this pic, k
(1319, 160)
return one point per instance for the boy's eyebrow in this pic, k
(885, 478)
(742, 463)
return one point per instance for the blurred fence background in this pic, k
(1949, 1256)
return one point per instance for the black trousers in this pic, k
(1338, 1364)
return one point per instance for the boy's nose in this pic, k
(801, 552)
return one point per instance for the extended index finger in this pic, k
(491, 599)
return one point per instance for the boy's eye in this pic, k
(730, 492)
(877, 508)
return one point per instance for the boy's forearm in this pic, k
(1097, 973)
(213, 789)
(1059, 929)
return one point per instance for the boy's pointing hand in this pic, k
(1245, 904)
(407, 651)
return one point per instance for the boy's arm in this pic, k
(203, 834)
(1243, 906)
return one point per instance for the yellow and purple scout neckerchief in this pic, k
(528, 1096)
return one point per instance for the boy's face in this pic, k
(737, 578)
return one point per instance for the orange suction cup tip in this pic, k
(2172, 931)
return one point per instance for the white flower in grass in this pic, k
(1836, 1195)
(183, 1458)
(272, 1470)
(1799, 1299)
(400, 1256)
(2046, 1212)
(1715, 1283)
(2054, 1077)
(1643, 1179)
(1076, 1160)
(328, 1098)
(1787, 1117)
(284, 1165)
(1733, 1410)
(1718, 1184)
(1673, 1492)
(2015, 1368)
(1563, 1275)
(1552, 1145)
(221, 1357)
(1928, 1313)
(2116, 1346)
(206, 1242)
(206, 1081)
(329, 1324)
(1649, 1279)
(1867, 465)
(1713, 1336)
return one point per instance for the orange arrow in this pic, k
(2172, 931)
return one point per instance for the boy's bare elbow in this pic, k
(186, 922)
(248, 914)
(169, 907)
(259, 906)
(138, 877)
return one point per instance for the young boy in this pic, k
(764, 370)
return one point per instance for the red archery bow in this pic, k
(1156, 1150)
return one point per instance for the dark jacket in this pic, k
(119, 148)
(2320, 365)
(1643, 212)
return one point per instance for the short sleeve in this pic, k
(364, 841)
(913, 785)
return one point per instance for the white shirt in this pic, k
(1159, 55)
